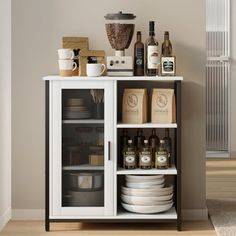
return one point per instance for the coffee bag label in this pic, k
(163, 106)
(134, 106)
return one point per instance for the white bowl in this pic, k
(77, 115)
(151, 192)
(144, 201)
(75, 102)
(146, 209)
(144, 184)
(143, 178)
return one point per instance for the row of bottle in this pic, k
(146, 154)
(154, 64)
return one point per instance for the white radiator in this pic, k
(217, 74)
(217, 106)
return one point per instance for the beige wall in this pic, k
(38, 27)
(5, 112)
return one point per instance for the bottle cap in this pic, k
(151, 28)
(166, 35)
(151, 25)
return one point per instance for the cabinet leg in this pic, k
(179, 225)
(47, 225)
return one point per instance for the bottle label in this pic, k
(161, 160)
(152, 57)
(168, 65)
(139, 57)
(129, 159)
(145, 159)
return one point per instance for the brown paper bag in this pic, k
(163, 106)
(134, 108)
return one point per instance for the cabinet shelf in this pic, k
(113, 78)
(83, 167)
(170, 171)
(146, 125)
(167, 215)
(89, 121)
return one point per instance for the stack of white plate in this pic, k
(76, 109)
(146, 194)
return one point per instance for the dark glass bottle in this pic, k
(145, 156)
(152, 55)
(166, 49)
(139, 139)
(161, 156)
(130, 156)
(154, 144)
(123, 143)
(168, 145)
(168, 61)
(139, 56)
(124, 139)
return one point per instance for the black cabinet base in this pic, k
(105, 221)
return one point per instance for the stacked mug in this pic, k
(65, 62)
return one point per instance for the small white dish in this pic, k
(144, 184)
(146, 209)
(144, 201)
(142, 178)
(151, 192)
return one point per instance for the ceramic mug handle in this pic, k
(103, 69)
(74, 66)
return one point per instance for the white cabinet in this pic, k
(84, 175)
(81, 144)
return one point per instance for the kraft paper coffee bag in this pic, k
(163, 106)
(134, 107)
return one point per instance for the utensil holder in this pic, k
(99, 110)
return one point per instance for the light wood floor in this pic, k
(36, 228)
(220, 183)
(220, 179)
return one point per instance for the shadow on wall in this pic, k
(191, 62)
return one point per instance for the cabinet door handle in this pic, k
(109, 150)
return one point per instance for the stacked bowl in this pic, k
(146, 194)
(76, 109)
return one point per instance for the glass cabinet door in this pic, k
(82, 177)
(83, 147)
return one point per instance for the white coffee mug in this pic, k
(95, 69)
(66, 53)
(66, 67)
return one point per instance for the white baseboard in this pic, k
(39, 214)
(5, 218)
(195, 214)
(28, 214)
(217, 154)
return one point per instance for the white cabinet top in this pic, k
(131, 78)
